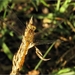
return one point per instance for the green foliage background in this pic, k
(61, 14)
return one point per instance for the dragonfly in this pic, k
(26, 44)
(15, 24)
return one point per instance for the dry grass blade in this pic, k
(27, 40)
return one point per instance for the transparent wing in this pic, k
(16, 25)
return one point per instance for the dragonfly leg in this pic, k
(40, 55)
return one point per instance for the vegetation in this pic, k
(55, 20)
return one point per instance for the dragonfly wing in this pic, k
(15, 24)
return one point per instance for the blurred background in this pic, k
(54, 20)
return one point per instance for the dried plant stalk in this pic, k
(27, 42)
(19, 57)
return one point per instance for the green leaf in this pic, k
(7, 51)
(58, 5)
(64, 6)
(44, 3)
(4, 4)
(64, 70)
